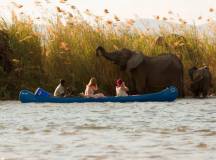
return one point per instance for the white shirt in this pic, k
(59, 90)
(120, 92)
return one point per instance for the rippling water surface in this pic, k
(184, 129)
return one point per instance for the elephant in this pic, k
(7, 66)
(201, 81)
(4, 52)
(148, 74)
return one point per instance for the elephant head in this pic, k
(125, 58)
(197, 74)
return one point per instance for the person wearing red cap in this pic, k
(121, 88)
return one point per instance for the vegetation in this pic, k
(66, 47)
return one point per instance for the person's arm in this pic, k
(125, 87)
(87, 91)
(96, 87)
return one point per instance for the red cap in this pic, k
(119, 82)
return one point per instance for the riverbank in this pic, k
(66, 49)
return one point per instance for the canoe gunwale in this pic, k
(169, 94)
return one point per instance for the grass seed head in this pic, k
(211, 10)
(106, 11)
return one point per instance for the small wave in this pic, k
(23, 128)
(95, 157)
(111, 146)
(102, 111)
(65, 133)
(155, 156)
(203, 130)
(59, 146)
(182, 129)
(43, 118)
(202, 145)
(2, 126)
(172, 148)
(164, 132)
(213, 133)
(52, 125)
(92, 127)
(47, 130)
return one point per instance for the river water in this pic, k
(184, 129)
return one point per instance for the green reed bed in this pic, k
(67, 50)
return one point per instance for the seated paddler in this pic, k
(60, 89)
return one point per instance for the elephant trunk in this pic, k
(100, 51)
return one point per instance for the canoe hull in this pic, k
(169, 94)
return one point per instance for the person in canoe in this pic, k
(60, 89)
(121, 88)
(91, 88)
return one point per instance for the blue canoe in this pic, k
(169, 94)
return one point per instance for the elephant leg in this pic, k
(206, 87)
(182, 94)
(204, 93)
(196, 94)
(133, 89)
(200, 93)
(180, 87)
(141, 87)
(181, 84)
(196, 88)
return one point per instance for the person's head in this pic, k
(62, 82)
(92, 82)
(119, 82)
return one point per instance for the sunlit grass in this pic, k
(66, 49)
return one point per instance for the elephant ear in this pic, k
(191, 72)
(198, 75)
(134, 61)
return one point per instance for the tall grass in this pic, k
(66, 49)
(26, 56)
